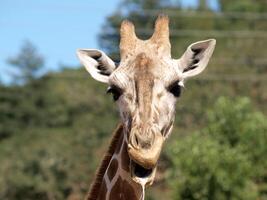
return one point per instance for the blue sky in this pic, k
(56, 28)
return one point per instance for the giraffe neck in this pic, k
(113, 180)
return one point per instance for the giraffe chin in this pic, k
(142, 175)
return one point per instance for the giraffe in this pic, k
(145, 85)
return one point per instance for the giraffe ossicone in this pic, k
(145, 85)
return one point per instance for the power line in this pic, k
(203, 14)
(246, 61)
(225, 77)
(206, 33)
(222, 34)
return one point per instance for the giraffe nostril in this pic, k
(140, 141)
(136, 140)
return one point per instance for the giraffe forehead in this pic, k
(143, 61)
(143, 73)
(155, 66)
(144, 68)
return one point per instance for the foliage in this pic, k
(49, 135)
(28, 62)
(224, 160)
(243, 5)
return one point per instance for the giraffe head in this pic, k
(146, 86)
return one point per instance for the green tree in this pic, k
(44, 125)
(225, 160)
(202, 5)
(243, 6)
(238, 126)
(28, 62)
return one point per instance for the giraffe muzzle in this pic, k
(146, 157)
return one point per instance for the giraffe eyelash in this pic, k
(181, 83)
(175, 89)
(115, 91)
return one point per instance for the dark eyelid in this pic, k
(173, 83)
(115, 91)
(113, 86)
(175, 89)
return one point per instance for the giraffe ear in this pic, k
(196, 57)
(97, 63)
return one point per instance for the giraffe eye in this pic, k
(115, 91)
(175, 89)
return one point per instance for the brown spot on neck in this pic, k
(122, 190)
(112, 169)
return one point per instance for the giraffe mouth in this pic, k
(140, 171)
(140, 174)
